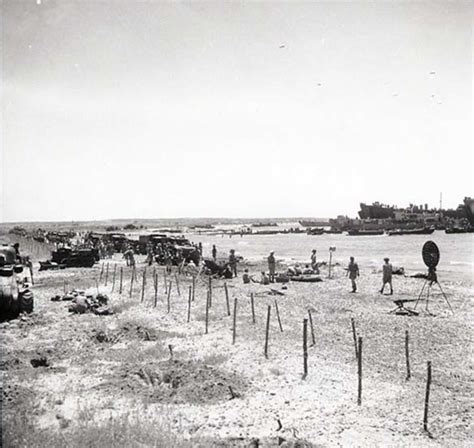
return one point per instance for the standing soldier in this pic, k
(271, 266)
(126, 255)
(233, 262)
(387, 275)
(149, 254)
(214, 252)
(314, 263)
(353, 273)
(131, 257)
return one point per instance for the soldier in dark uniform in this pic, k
(233, 262)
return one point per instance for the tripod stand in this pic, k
(430, 280)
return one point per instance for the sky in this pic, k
(128, 109)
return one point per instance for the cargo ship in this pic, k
(376, 211)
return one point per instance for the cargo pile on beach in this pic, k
(184, 361)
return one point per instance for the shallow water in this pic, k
(456, 262)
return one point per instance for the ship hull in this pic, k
(410, 232)
(375, 212)
(365, 232)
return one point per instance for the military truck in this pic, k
(78, 258)
(15, 295)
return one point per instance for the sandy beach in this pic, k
(111, 380)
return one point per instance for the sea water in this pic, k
(456, 261)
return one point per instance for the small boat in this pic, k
(315, 231)
(333, 232)
(306, 278)
(355, 232)
(459, 230)
(313, 223)
(422, 231)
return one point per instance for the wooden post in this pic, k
(155, 281)
(227, 298)
(235, 321)
(253, 307)
(427, 397)
(131, 281)
(330, 263)
(354, 335)
(113, 277)
(168, 297)
(232, 394)
(208, 299)
(194, 287)
(143, 284)
(311, 327)
(31, 273)
(189, 302)
(407, 355)
(121, 280)
(210, 291)
(359, 372)
(305, 348)
(101, 272)
(177, 284)
(267, 330)
(278, 315)
(106, 274)
(166, 282)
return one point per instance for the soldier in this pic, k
(387, 275)
(126, 255)
(149, 254)
(353, 273)
(214, 252)
(132, 258)
(271, 266)
(264, 279)
(246, 277)
(314, 263)
(233, 262)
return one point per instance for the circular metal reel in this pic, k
(430, 253)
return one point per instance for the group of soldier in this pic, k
(387, 273)
(352, 269)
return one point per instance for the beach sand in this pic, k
(112, 382)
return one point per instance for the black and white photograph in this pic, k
(236, 224)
